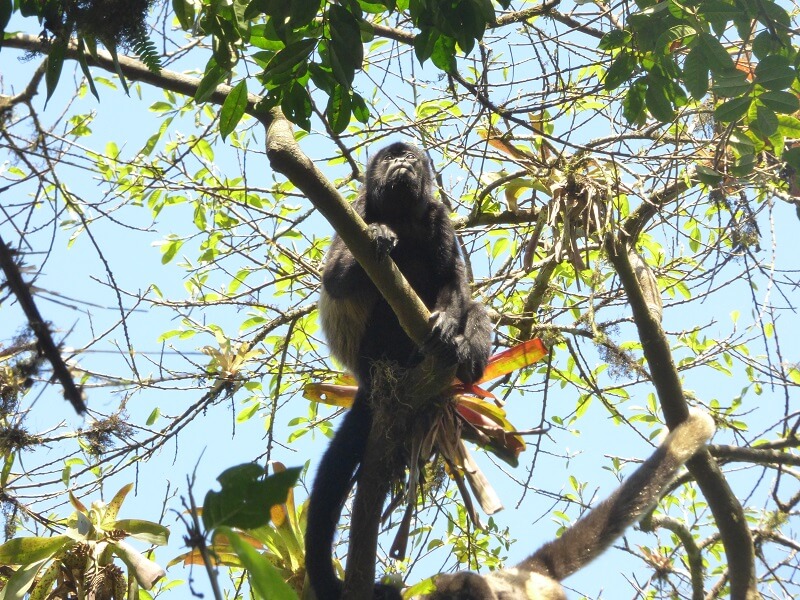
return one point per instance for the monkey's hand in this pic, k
(383, 239)
(443, 340)
(471, 361)
(446, 341)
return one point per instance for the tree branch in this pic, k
(40, 328)
(727, 511)
(693, 555)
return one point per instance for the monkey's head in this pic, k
(398, 180)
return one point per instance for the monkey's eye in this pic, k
(411, 155)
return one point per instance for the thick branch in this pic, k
(727, 511)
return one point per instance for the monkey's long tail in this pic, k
(331, 486)
(592, 534)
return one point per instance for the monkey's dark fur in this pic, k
(407, 223)
(538, 576)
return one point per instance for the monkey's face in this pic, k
(401, 169)
(398, 178)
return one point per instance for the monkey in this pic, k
(538, 576)
(407, 223)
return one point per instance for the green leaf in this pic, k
(302, 12)
(792, 158)
(775, 73)
(296, 105)
(184, 11)
(781, 102)
(148, 53)
(147, 531)
(707, 175)
(322, 77)
(6, 8)
(616, 38)
(767, 120)
(346, 49)
(246, 496)
(789, 126)
(374, 8)
(8, 462)
(44, 585)
(731, 84)
(665, 41)
(695, 73)
(423, 44)
(620, 70)
(26, 550)
(778, 143)
(633, 103)
(267, 582)
(765, 44)
(658, 100)
(285, 62)
(744, 165)
(732, 110)
(170, 249)
(258, 7)
(339, 110)
(214, 75)
(741, 143)
(714, 10)
(359, 108)
(112, 50)
(112, 509)
(771, 11)
(85, 67)
(222, 50)
(718, 59)
(55, 61)
(156, 412)
(233, 109)
(444, 51)
(20, 582)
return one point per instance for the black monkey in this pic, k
(407, 223)
(538, 576)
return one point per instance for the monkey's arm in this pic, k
(460, 327)
(474, 343)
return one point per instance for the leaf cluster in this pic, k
(672, 53)
(79, 562)
(115, 23)
(321, 43)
